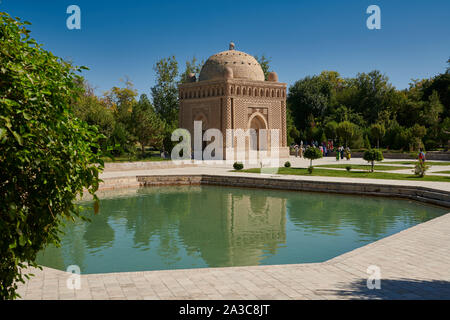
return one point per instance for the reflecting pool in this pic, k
(179, 227)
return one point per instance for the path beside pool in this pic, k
(413, 264)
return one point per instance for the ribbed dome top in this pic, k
(243, 66)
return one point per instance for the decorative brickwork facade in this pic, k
(231, 93)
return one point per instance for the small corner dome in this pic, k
(272, 76)
(242, 65)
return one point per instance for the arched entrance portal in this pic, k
(201, 117)
(257, 122)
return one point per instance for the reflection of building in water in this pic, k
(233, 228)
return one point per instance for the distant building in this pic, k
(232, 93)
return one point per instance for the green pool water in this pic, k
(180, 227)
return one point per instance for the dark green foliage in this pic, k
(287, 164)
(377, 131)
(147, 127)
(165, 92)
(348, 168)
(265, 65)
(346, 131)
(318, 103)
(312, 153)
(373, 155)
(238, 166)
(47, 155)
(94, 111)
(192, 67)
(420, 168)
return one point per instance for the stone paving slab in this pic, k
(414, 264)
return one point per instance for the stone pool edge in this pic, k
(417, 193)
(417, 254)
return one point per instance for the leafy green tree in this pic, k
(416, 134)
(371, 95)
(307, 98)
(330, 129)
(122, 101)
(46, 152)
(346, 132)
(366, 142)
(148, 128)
(165, 97)
(377, 131)
(192, 67)
(445, 132)
(312, 153)
(265, 64)
(373, 155)
(89, 108)
(165, 92)
(293, 132)
(432, 109)
(323, 137)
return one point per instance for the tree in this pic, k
(192, 67)
(371, 95)
(373, 155)
(377, 131)
(265, 65)
(122, 101)
(148, 128)
(312, 153)
(416, 133)
(46, 153)
(165, 97)
(308, 97)
(293, 132)
(330, 129)
(366, 142)
(94, 111)
(346, 131)
(165, 92)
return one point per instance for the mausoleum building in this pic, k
(231, 92)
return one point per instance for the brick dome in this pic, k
(243, 66)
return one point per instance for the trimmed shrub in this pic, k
(312, 153)
(238, 166)
(373, 155)
(287, 164)
(348, 168)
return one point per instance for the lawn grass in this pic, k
(353, 174)
(448, 172)
(436, 163)
(363, 166)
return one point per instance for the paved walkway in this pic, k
(414, 264)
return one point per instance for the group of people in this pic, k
(324, 147)
(342, 152)
(300, 149)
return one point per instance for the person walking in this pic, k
(421, 156)
(301, 149)
(348, 154)
(338, 151)
(296, 150)
(342, 152)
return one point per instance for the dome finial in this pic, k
(232, 45)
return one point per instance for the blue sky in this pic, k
(126, 38)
